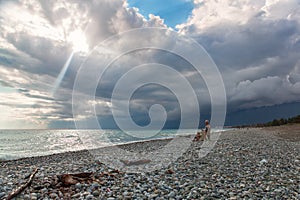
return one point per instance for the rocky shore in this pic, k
(244, 164)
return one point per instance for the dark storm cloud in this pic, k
(257, 52)
(238, 46)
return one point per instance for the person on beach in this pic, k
(197, 136)
(205, 133)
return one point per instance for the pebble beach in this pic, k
(250, 163)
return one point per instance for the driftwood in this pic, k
(22, 187)
(72, 179)
(135, 162)
(67, 180)
(115, 171)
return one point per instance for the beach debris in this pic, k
(72, 179)
(115, 171)
(22, 187)
(169, 171)
(135, 162)
(111, 173)
(263, 161)
(67, 180)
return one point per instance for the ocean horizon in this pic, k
(20, 143)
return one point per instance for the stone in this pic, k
(75, 196)
(44, 190)
(78, 185)
(96, 193)
(89, 197)
(263, 161)
(204, 190)
(95, 186)
(33, 194)
(172, 194)
(53, 195)
(152, 196)
(2, 194)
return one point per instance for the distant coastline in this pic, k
(275, 122)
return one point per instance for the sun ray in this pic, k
(62, 74)
(78, 40)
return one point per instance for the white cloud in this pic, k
(254, 44)
(221, 13)
(281, 9)
(265, 92)
(155, 21)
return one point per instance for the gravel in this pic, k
(244, 164)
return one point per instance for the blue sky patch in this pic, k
(172, 11)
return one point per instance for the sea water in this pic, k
(26, 143)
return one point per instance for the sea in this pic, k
(16, 144)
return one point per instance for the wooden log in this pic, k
(22, 187)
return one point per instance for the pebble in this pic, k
(95, 186)
(78, 185)
(204, 190)
(172, 194)
(75, 196)
(152, 196)
(53, 195)
(44, 190)
(2, 194)
(96, 193)
(33, 195)
(263, 161)
(222, 191)
(89, 197)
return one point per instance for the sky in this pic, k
(172, 12)
(47, 46)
